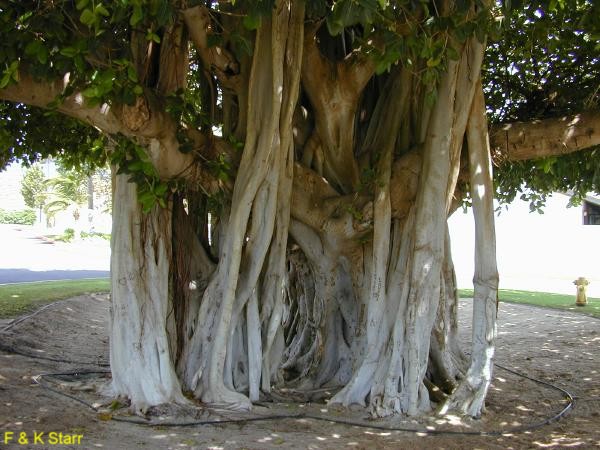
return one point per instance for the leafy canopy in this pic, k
(545, 64)
(541, 62)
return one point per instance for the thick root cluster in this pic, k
(344, 288)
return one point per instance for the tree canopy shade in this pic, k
(546, 66)
(283, 174)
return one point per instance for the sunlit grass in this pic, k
(20, 298)
(545, 299)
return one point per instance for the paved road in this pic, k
(24, 256)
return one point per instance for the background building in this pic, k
(540, 252)
(10, 188)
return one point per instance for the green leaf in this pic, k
(135, 166)
(101, 10)
(81, 4)
(91, 92)
(79, 62)
(152, 36)
(430, 97)
(147, 200)
(11, 73)
(32, 48)
(37, 49)
(241, 45)
(140, 153)
(480, 33)
(42, 55)
(163, 13)
(123, 169)
(252, 21)
(433, 62)
(452, 53)
(145, 196)
(132, 74)
(105, 81)
(137, 16)
(5, 80)
(14, 72)
(161, 189)
(128, 97)
(87, 17)
(69, 52)
(149, 169)
(334, 28)
(547, 164)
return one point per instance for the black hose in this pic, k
(40, 379)
(20, 319)
(11, 349)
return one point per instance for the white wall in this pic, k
(10, 188)
(540, 252)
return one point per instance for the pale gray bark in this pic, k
(264, 162)
(547, 137)
(369, 301)
(140, 358)
(470, 395)
(448, 363)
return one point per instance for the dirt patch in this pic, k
(560, 348)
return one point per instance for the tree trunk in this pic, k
(254, 225)
(372, 311)
(140, 356)
(447, 362)
(470, 395)
(410, 270)
(90, 192)
(363, 296)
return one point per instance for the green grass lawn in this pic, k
(17, 299)
(556, 301)
(20, 298)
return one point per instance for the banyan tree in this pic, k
(283, 172)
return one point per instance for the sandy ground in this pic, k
(557, 347)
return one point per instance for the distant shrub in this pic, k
(92, 234)
(22, 217)
(67, 235)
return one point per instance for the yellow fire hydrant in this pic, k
(581, 284)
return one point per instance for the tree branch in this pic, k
(174, 59)
(355, 70)
(316, 204)
(548, 137)
(41, 94)
(145, 120)
(334, 90)
(218, 59)
(358, 68)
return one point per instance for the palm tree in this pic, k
(67, 189)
